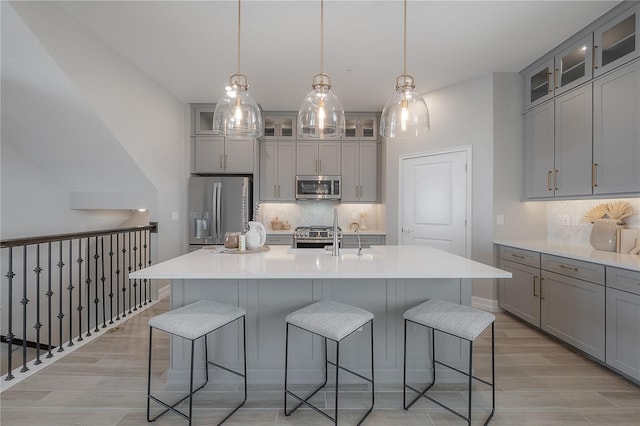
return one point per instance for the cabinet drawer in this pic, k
(351, 241)
(574, 268)
(524, 257)
(279, 240)
(623, 279)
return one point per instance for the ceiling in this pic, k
(190, 47)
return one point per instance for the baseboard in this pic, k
(164, 292)
(490, 305)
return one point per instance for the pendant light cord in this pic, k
(322, 36)
(404, 66)
(238, 36)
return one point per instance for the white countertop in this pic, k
(367, 232)
(578, 252)
(278, 262)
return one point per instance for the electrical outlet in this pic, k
(500, 219)
(566, 221)
(575, 221)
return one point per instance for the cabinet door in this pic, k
(573, 310)
(307, 158)
(520, 294)
(268, 171)
(286, 171)
(538, 84)
(617, 42)
(623, 332)
(616, 131)
(238, 155)
(573, 142)
(368, 169)
(539, 151)
(350, 171)
(204, 120)
(209, 154)
(369, 128)
(574, 65)
(329, 158)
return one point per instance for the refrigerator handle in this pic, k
(219, 212)
(214, 210)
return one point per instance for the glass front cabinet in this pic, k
(616, 42)
(280, 126)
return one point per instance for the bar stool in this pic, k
(192, 322)
(456, 320)
(334, 321)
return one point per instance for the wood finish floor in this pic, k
(539, 382)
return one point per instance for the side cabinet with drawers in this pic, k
(593, 307)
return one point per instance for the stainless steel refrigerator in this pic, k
(218, 204)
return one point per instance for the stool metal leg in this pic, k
(149, 377)
(335, 415)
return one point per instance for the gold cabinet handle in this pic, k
(274, 191)
(221, 165)
(541, 280)
(594, 60)
(572, 268)
(555, 180)
(549, 89)
(225, 161)
(594, 175)
(320, 166)
(555, 78)
(534, 286)
(549, 180)
(519, 256)
(278, 191)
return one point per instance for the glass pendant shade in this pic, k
(405, 113)
(237, 114)
(321, 115)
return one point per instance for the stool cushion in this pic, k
(330, 319)
(196, 319)
(459, 320)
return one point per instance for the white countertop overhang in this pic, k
(279, 263)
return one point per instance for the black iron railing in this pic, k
(34, 296)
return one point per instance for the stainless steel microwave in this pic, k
(318, 188)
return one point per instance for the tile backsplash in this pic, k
(578, 230)
(306, 213)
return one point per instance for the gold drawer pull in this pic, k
(519, 256)
(534, 286)
(594, 175)
(541, 279)
(549, 180)
(573, 268)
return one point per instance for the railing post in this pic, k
(80, 338)
(124, 288)
(111, 278)
(88, 282)
(70, 289)
(129, 272)
(118, 277)
(60, 315)
(103, 279)
(38, 324)
(24, 302)
(10, 274)
(49, 294)
(135, 282)
(96, 300)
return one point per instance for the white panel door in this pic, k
(433, 201)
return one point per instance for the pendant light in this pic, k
(406, 112)
(321, 115)
(237, 114)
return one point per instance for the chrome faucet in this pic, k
(335, 249)
(359, 244)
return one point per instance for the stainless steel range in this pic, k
(315, 236)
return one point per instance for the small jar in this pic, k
(242, 242)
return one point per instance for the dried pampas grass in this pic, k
(617, 210)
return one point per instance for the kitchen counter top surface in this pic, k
(283, 262)
(367, 232)
(578, 252)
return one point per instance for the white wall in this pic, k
(460, 115)
(143, 117)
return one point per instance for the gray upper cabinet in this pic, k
(277, 170)
(359, 172)
(538, 84)
(203, 120)
(360, 127)
(279, 126)
(617, 42)
(573, 65)
(558, 146)
(318, 158)
(616, 131)
(216, 154)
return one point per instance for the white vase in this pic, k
(603, 234)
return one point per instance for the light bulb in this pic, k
(404, 114)
(238, 111)
(321, 113)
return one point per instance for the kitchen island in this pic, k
(385, 280)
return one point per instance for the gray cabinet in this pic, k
(359, 172)
(616, 131)
(279, 126)
(216, 154)
(623, 321)
(360, 127)
(203, 120)
(279, 240)
(520, 295)
(558, 140)
(318, 158)
(350, 240)
(617, 41)
(277, 170)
